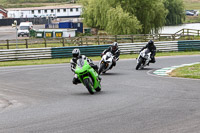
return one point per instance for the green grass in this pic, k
(192, 19)
(178, 53)
(192, 4)
(97, 58)
(187, 72)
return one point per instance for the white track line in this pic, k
(167, 70)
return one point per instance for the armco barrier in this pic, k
(188, 45)
(85, 50)
(48, 53)
(25, 54)
(62, 52)
(129, 48)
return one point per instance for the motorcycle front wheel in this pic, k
(102, 66)
(98, 89)
(88, 84)
(139, 64)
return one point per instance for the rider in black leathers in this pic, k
(115, 52)
(77, 55)
(152, 48)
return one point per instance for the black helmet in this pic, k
(151, 42)
(114, 45)
(76, 52)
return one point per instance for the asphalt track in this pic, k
(42, 99)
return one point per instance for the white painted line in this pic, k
(150, 73)
(167, 70)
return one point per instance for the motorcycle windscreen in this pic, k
(108, 55)
(147, 51)
(80, 63)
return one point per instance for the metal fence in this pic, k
(63, 52)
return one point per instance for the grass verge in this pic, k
(192, 19)
(97, 58)
(187, 72)
(192, 4)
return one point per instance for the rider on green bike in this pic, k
(77, 55)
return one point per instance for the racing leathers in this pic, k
(152, 49)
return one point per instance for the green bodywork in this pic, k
(86, 71)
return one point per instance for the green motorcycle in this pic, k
(88, 76)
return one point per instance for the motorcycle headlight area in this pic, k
(107, 58)
(146, 56)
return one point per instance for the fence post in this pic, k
(198, 32)
(63, 41)
(86, 41)
(81, 41)
(145, 38)
(78, 41)
(115, 38)
(159, 37)
(26, 43)
(98, 40)
(132, 39)
(173, 37)
(7, 44)
(45, 42)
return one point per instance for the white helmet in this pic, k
(114, 45)
(76, 52)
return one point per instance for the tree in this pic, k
(120, 22)
(175, 12)
(95, 13)
(150, 13)
(124, 16)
